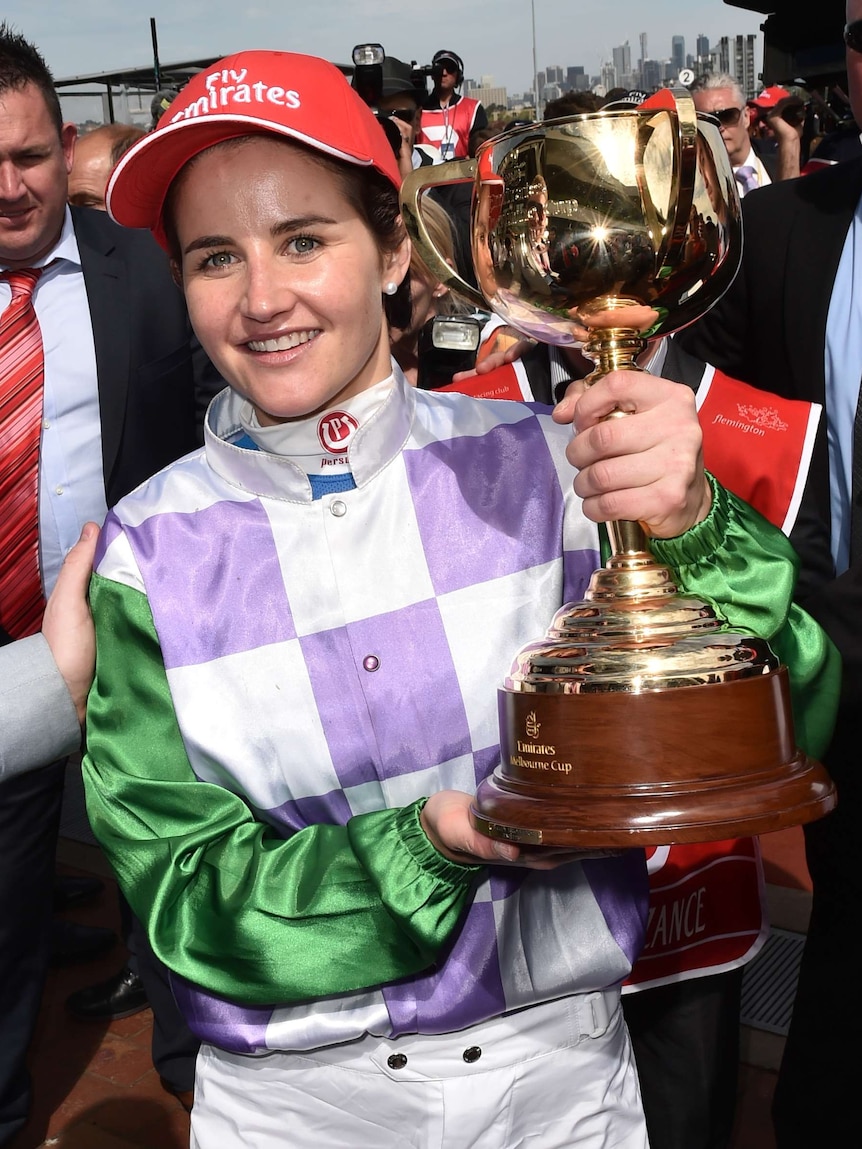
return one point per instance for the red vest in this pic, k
(449, 128)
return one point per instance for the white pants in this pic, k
(552, 1076)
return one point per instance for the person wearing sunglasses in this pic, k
(791, 324)
(721, 96)
(401, 102)
(449, 119)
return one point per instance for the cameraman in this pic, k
(401, 103)
(448, 119)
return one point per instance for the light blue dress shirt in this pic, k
(71, 481)
(843, 366)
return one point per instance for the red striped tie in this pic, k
(22, 374)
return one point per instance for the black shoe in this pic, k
(119, 996)
(72, 943)
(69, 892)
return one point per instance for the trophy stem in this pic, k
(616, 349)
(613, 349)
(629, 541)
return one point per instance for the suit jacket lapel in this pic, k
(106, 279)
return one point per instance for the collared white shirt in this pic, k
(752, 160)
(71, 479)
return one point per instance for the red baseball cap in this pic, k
(301, 97)
(770, 97)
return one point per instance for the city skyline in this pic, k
(493, 38)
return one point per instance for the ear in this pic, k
(395, 264)
(68, 136)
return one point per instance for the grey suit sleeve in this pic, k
(38, 720)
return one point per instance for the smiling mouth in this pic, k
(284, 342)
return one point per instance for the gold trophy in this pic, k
(639, 718)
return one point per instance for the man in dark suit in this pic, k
(792, 324)
(721, 96)
(123, 395)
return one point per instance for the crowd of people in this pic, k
(209, 350)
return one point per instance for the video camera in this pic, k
(368, 81)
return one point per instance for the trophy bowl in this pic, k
(639, 718)
(616, 222)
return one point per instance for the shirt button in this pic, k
(371, 662)
(472, 1054)
(58, 490)
(339, 509)
(46, 423)
(396, 1060)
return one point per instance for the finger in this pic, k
(483, 849)
(78, 563)
(634, 505)
(517, 350)
(460, 376)
(616, 438)
(634, 451)
(491, 362)
(500, 358)
(634, 392)
(564, 412)
(447, 821)
(664, 513)
(610, 395)
(551, 858)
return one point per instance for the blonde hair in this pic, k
(440, 230)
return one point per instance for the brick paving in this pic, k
(94, 1086)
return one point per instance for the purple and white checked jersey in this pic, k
(335, 656)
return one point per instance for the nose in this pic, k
(11, 187)
(269, 290)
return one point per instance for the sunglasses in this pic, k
(448, 66)
(853, 35)
(727, 117)
(408, 115)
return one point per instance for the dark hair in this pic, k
(372, 196)
(571, 104)
(22, 64)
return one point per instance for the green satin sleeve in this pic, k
(747, 567)
(228, 903)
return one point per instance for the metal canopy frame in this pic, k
(143, 79)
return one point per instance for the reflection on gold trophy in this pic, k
(638, 719)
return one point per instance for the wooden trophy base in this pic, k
(690, 764)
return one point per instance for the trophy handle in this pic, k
(418, 181)
(686, 165)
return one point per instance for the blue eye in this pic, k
(217, 259)
(304, 244)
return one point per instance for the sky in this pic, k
(494, 37)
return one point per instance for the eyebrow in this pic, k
(300, 223)
(206, 241)
(295, 223)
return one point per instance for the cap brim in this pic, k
(139, 184)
